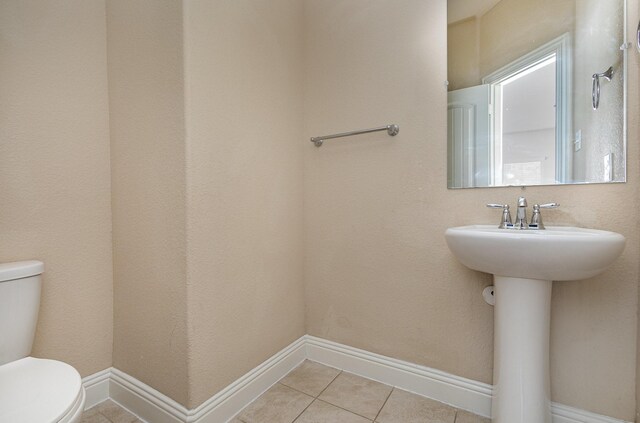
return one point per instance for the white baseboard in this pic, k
(155, 407)
(443, 387)
(96, 388)
(564, 414)
(227, 403)
(144, 401)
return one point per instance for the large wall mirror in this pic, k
(537, 92)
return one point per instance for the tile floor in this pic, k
(313, 393)
(108, 412)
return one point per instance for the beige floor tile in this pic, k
(466, 417)
(114, 413)
(323, 412)
(94, 418)
(280, 404)
(236, 421)
(310, 378)
(405, 407)
(90, 412)
(357, 394)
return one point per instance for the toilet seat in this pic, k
(34, 390)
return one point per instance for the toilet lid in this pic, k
(37, 390)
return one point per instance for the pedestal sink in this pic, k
(524, 262)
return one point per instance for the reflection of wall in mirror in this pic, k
(509, 30)
(515, 27)
(463, 54)
(598, 36)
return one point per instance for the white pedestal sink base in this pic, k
(522, 319)
(522, 311)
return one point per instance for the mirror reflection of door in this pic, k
(524, 125)
(468, 137)
(530, 109)
(529, 129)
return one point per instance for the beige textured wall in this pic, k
(149, 203)
(378, 274)
(54, 170)
(244, 124)
(463, 54)
(214, 302)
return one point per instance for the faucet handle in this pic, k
(536, 217)
(548, 205)
(505, 221)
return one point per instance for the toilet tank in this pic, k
(19, 303)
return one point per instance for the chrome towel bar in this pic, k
(392, 130)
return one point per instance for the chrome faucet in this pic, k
(536, 217)
(521, 216)
(505, 222)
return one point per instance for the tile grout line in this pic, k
(279, 382)
(332, 380)
(302, 412)
(291, 387)
(138, 418)
(317, 398)
(314, 398)
(385, 403)
(344, 409)
(337, 406)
(236, 417)
(107, 418)
(302, 392)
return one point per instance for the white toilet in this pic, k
(32, 390)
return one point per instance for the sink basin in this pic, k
(524, 263)
(555, 253)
